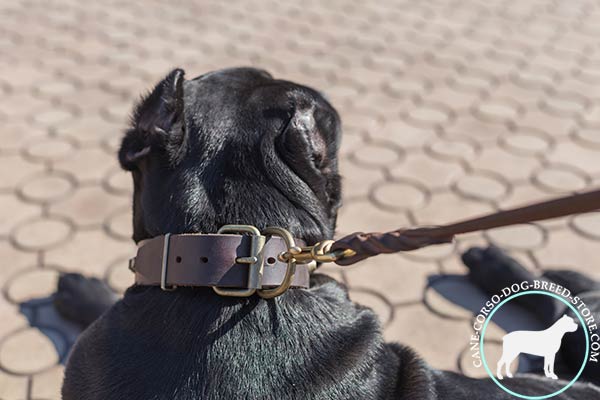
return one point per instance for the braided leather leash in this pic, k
(272, 266)
(359, 246)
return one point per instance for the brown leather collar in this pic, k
(215, 260)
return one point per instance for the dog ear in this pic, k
(157, 123)
(309, 145)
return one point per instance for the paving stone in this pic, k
(452, 150)
(42, 233)
(587, 224)
(33, 284)
(399, 195)
(356, 180)
(355, 216)
(482, 185)
(560, 179)
(403, 134)
(52, 117)
(399, 279)
(16, 134)
(429, 171)
(12, 319)
(425, 338)
(118, 275)
(527, 141)
(89, 164)
(19, 105)
(90, 129)
(50, 149)
(429, 115)
(518, 237)
(553, 254)
(27, 351)
(119, 224)
(47, 187)
(13, 387)
(16, 260)
(13, 169)
(449, 207)
(82, 253)
(377, 155)
(575, 155)
(12, 212)
(47, 384)
(88, 206)
(508, 166)
(498, 110)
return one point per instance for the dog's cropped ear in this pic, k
(309, 144)
(157, 123)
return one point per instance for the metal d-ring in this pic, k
(291, 264)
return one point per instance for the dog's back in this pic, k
(195, 345)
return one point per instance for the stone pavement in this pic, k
(451, 109)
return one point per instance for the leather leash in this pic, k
(240, 260)
(359, 246)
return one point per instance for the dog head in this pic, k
(568, 324)
(235, 146)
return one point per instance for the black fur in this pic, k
(237, 146)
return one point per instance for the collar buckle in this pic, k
(255, 261)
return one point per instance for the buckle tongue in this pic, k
(255, 261)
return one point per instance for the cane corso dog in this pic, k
(237, 146)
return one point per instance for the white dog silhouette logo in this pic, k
(544, 343)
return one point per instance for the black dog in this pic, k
(239, 147)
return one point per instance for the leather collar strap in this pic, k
(212, 260)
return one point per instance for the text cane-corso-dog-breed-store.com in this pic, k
(240, 147)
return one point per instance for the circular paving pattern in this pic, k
(567, 104)
(498, 110)
(559, 179)
(399, 195)
(52, 117)
(119, 223)
(518, 237)
(453, 150)
(377, 155)
(429, 115)
(34, 284)
(47, 187)
(527, 142)
(56, 88)
(42, 233)
(587, 224)
(482, 186)
(49, 149)
(588, 136)
(119, 182)
(28, 351)
(118, 276)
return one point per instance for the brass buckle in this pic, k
(255, 261)
(291, 263)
